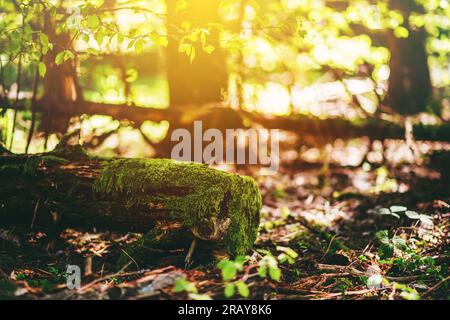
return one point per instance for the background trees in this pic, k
(357, 58)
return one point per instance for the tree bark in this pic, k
(313, 128)
(61, 88)
(409, 82)
(174, 202)
(202, 80)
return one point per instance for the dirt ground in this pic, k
(370, 232)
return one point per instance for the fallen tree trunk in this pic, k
(333, 128)
(172, 201)
(303, 125)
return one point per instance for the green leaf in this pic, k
(398, 208)
(395, 215)
(99, 37)
(15, 41)
(27, 29)
(120, 38)
(68, 55)
(230, 289)
(192, 55)
(426, 219)
(93, 21)
(229, 270)
(363, 258)
(399, 243)
(139, 46)
(182, 285)
(410, 295)
(275, 273)
(262, 271)
(92, 51)
(209, 49)
(131, 44)
(243, 289)
(240, 260)
(59, 58)
(163, 42)
(43, 39)
(291, 253)
(185, 48)
(412, 214)
(384, 211)
(382, 236)
(154, 37)
(181, 5)
(42, 69)
(86, 38)
(386, 250)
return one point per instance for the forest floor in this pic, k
(351, 233)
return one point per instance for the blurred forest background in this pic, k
(96, 65)
(360, 90)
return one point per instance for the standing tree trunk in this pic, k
(61, 88)
(203, 80)
(409, 82)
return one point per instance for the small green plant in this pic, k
(395, 211)
(229, 270)
(240, 286)
(343, 284)
(287, 255)
(404, 257)
(363, 258)
(407, 292)
(58, 275)
(389, 245)
(268, 266)
(278, 193)
(183, 285)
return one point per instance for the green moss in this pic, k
(72, 152)
(158, 183)
(30, 166)
(11, 169)
(52, 159)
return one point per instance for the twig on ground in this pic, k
(436, 286)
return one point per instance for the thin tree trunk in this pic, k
(60, 81)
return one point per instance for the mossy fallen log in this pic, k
(172, 201)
